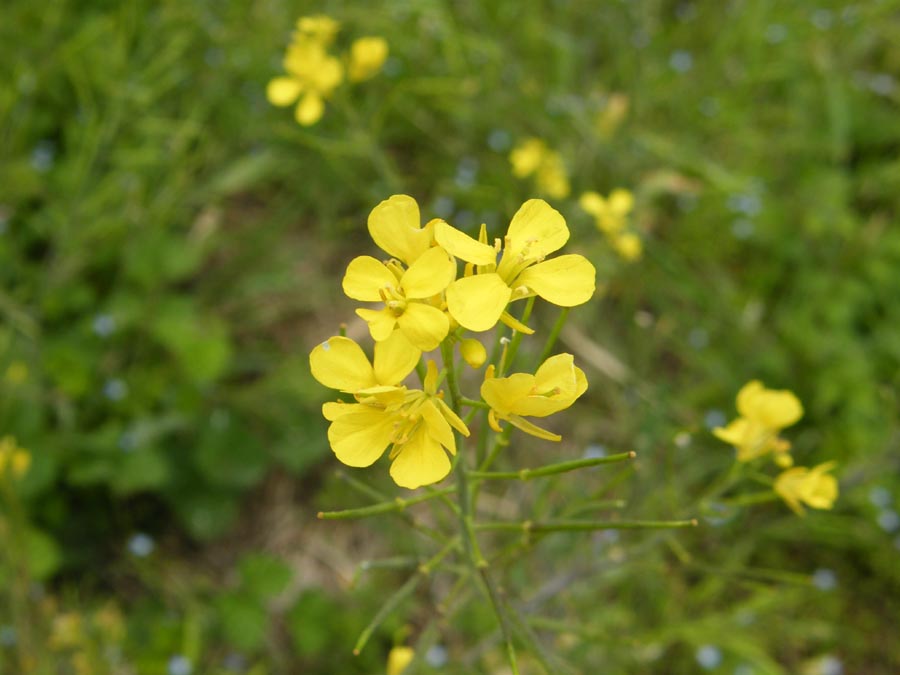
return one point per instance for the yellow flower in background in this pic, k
(763, 413)
(13, 459)
(340, 363)
(312, 76)
(610, 214)
(405, 294)
(367, 56)
(628, 245)
(417, 424)
(554, 387)
(16, 373)
(612, 115)
(398, 659)
(814, 487)
(319, 28)
(478, 300)
(533, 157)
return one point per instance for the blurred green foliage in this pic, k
(170, 247)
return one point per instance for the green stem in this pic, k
(584, 525)
(752, 498)
(473, 403)
(398, 504)
(554, 334)
(510, 354)
(550, 469)
(502, 619)
(392, 603)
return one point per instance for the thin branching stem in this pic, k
(551, 469)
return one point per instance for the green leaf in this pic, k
(244, 621)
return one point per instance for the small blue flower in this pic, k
(880, 497)
(141, 545)
(103, 325)
(180, 665)
(888, 520)
(436, 656)
(115, 389)
(714, 418)
(775, 33)
(831, 665)
(824, 579)
(681, 61)
(709, 657)
(499, 140)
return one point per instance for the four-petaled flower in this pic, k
(610, 215)
(554, 387)
(312, 75)
(764, 412)
(479, 299)
(814, 487)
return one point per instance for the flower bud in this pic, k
(473, 352)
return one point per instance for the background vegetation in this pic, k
(170, 249)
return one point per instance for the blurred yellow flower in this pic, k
(417, 424)
(613, 114)
(13, 459)
(554, 387)
(319, 28)
(533, 157)
(16, 372)
(763, 413)
(312, 76)
(398, 659)
(813, 487)
(610, 214)
(405, 294)
(67, 631)
(628, 245)
(367, 56)
(479, 299)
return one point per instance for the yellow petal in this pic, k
(395, 358)
(504, 394)
(430, 384)
(424, 325)
(394, 226)
(421, 461)
(367, 55)
(537, 229)
(747, 397)
(438, 427)
(628, 245)
(452, 417)
(477, 302)
(429, 274)
(381, 322)
(341, 364)
(621, 201)
(462, 246)
(282, 91)
(365, 277)
(592, 203)
(565, 281)
(533, 429)
(473, 352)
(360, 437)
(734, 433)
(398, 659)
(779, 409)
(527, 156)
(310, 109)
(334, 409)
(557, 372)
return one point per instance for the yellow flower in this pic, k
(417, 424)
(532, 156)
(405, 294)
(340, 363)
(478, 300)
(610, 215)
(394, 226)
(610, 118)
(764, 412)
(319, 28)
(367, 56)
(398, 659)
(14, 459)
(312, 76)
(813, 487)
(17, 372)
(554, 387)
(628, 245)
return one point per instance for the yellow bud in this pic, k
(398, 659)
(21, 460)
(473, 352)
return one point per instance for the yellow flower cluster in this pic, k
(611, 217)
(533, 157)
(313, 73)
(755, 433)
(424, 304)
(13, 459)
